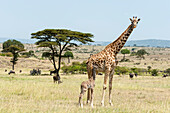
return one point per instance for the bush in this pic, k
(8, 54)
(135, 70)
(2, 54)
(121, 70)
(76, 67)
(168, 71)
(154, 72)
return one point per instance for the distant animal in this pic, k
(5, 70)
(153, 74)
(136, 74)
(35, 72)
(56, 79)
(20, 71)
(131, 75)
(165, 75)
(85, 85)
(11, 71)
(100, 74)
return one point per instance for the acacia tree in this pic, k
(149, 69)
(59, 40)
(68, 54)
(14, 47)
(124, 52)
(140, 53)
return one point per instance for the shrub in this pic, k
(75, 63)
(135, 70)
(154, 72)
(8, 54)
(76, 67)
(168, 71)
(121, 70)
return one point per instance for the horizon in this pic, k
(7, 38)
(106, 20)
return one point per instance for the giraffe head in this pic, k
(134, 21)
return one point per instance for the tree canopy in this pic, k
(14, 47)
(125, 51)
(140, 53)
(68, 54)
(59, 40)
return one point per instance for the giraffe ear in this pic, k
(138, 19)
(130, 19)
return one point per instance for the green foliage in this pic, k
(68, 54)
(121, 70)
(76, 67)
(8, 54)
(8, 43)
(61, 39)
(149, 69)
(168, 71)
(133, 54)
(154, 72)
(125, 51)
(46, 54)
(14, 47)
(50, 37)
(140, 53)
(28, 54)
(135, 70)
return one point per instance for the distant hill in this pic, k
(146, 43)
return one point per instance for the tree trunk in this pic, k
(124, 56)
(13, 65)
(53, 58)
(68, 60)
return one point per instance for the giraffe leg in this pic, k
(110, 86)
(104, 87)
(92, 97)
(88, 95)
(89, 91)
(110, 89)
(81, 97)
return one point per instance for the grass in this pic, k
(39, 94)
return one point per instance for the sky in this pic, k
(105, 19)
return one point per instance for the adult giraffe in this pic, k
(105, 61)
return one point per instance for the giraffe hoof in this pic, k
(81, 105)
(111, 104)
(88, 101)
(91, 106)
(102, 104)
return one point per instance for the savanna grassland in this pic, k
(39, 94)
(25, 93)
(158, 58)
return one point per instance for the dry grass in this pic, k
(24, 93)
(39, 94)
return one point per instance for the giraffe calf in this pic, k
(85, 85)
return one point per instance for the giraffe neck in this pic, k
(121, 40)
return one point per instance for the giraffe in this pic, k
(106, 61)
